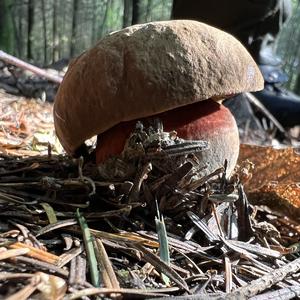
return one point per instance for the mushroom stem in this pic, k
(205, 120)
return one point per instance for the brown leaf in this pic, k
(275, 178)
(270, 165)
(284, 198)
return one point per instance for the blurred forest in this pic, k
(288, 48)
(46, 31)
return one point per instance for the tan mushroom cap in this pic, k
(146, 69)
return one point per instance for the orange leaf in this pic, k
(275, 177)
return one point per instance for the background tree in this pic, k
(55, 36)
(127, 13)
(46, 31)
(288, 48)
(6, 26)
(74, 27)
(136, 11)
(30, 21)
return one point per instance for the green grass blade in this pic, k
(163, 243)
(89, 248)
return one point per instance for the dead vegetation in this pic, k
(155, 228)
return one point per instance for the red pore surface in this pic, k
(204, 120)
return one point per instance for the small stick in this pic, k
(259, 285)
(26, 66)
(259, 105)
(140, 177)
(27, 290)
(106, 268)
(12, 253)
(291, 292)
(228, 274)
(36, 253)
(40, 264)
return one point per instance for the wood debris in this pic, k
(53, 208)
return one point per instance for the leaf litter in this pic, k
(220, 245)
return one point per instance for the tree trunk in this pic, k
(127, 13)
(136, 5)
(44, 32)
(30, 22)
(15, 18)
(94, 22)
(22, 10)
(61, 32)
(55, 41)
(6, 27)
(74, 28)
(149, 9)
(102, 26)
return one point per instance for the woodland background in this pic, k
(45, 32)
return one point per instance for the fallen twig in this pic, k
(24, 65)
(261, 284)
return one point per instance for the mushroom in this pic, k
(174, 70)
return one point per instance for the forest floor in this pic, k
(26, 126)
(66, 233)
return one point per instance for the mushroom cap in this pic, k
(147, 69)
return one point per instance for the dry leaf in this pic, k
(275, 177)
(284, 198)
(282, 165)
(26, 125)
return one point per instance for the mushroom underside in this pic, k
(205, 120)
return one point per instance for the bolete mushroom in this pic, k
(174, 70)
